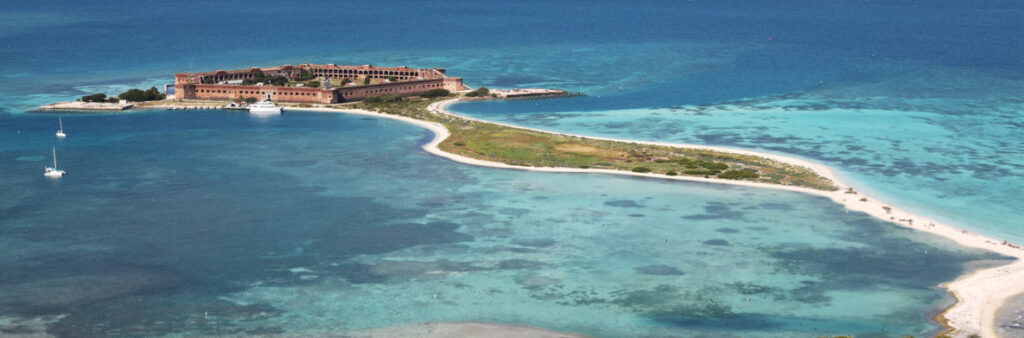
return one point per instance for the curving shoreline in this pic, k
(979, 294)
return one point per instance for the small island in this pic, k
(420, 96)
(533, 148)
(408, 92)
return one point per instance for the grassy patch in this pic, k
(491, 142)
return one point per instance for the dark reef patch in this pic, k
(776, 206)
(514, 211)
(727, 230)
(716, 210)
(623, 204)
(751, 289)
(515, 264)
(371, 240)
(534, 243)
(717, 242)
(61, 292)
(658, 270)
(386, 270)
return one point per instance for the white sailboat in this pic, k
(53, 172)
(60, 132)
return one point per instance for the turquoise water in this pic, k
(949, 152)
(211, 222)
(185, 223)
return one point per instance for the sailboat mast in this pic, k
(61, 122)
(54, 158)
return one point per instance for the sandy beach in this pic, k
(980, 293)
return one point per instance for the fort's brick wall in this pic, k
(356, 72)
(362, 92)
(453, 84)
(411, 80)
(282, 94)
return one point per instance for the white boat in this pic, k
(60, 132)
(264, 107)
(53, 172)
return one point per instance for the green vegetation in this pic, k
(641, 169)
(304, 75)
(434, 93)
(138, 95)
(514, 146)
(250, 100)
(739, 174)
(98, 97)
(383, 98)
(481, 92)
(277, 80)
(313, 84)
(366, 80)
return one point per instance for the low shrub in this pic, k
(641, 169)
(713, 165)
(435, 93)
(482, 91)
(701, 172)
(98, 97)
(738, 174)
(139, 95)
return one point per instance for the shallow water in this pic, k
(184, 223)
(955, 159)
(212, 222)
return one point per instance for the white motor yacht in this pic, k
(264, 107)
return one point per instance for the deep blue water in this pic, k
(186, 223)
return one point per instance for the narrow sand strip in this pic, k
(980, 293)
